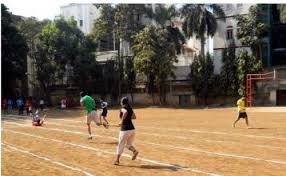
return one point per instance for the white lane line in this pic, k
(112, 153)
(177, 147)
(214, 132)
(46, 159)
(6, 149)
(180, 137)
(196, 131)
(185, 137)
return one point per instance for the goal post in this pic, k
(250, 78)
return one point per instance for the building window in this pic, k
(239, 5)
(80, 23)
(229, 34)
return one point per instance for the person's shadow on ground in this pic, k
(156, 167)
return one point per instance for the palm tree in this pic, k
(199, 20)
(164, 17)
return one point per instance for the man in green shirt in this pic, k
(89, 105)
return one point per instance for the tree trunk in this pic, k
(152, 93)
(203, 46)
(46, 92)
(160, 95)
(164, 95)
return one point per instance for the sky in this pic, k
(40, 9)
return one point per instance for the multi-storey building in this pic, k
(84, 14)
(226, 32)
(273, 47)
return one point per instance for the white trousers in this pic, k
(126, 139)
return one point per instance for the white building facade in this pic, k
(84, 14)
(226, 32)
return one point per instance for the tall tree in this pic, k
(30, 28)
(103, 27)
(199, 20)
(252, 29)
(130, 77)
(246, 64)
(85, 69)
(14, 53)
(228, 73)
(164, 16)
(201, 76)
(61, 43)
(153, 56)
(128, 20)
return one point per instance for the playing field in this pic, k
(170, 142)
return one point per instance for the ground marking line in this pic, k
(180, 137)
(6, 149)
(199, 131)
(181, 148)
(214, 132)
(112, 153)
(47, 159)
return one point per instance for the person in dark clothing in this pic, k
(104, 111)
(127, 131)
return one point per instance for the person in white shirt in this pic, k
(42, 104)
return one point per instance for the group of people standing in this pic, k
(21, 104)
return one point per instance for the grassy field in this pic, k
(170, 141)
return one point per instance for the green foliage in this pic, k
(129, 76)
(201, 76)
(198, 20)
(162, 14)
(128, 20)
(252, 29)
(153, 56)
(282, 11)
(228, 75)
(85, 72)
(14, 52)
(246, 65)
(111, 78)
(164, 17)
(103, 27)
(30, 28)
(61, 43)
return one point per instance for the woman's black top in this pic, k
(127, 122)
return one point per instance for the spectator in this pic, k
(28, 106)
(63, 103)
(20, 105)
(5, 106)
(10, 105)
(42, 104)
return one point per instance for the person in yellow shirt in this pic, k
(241, 111)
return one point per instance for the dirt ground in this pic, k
(170, 142)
